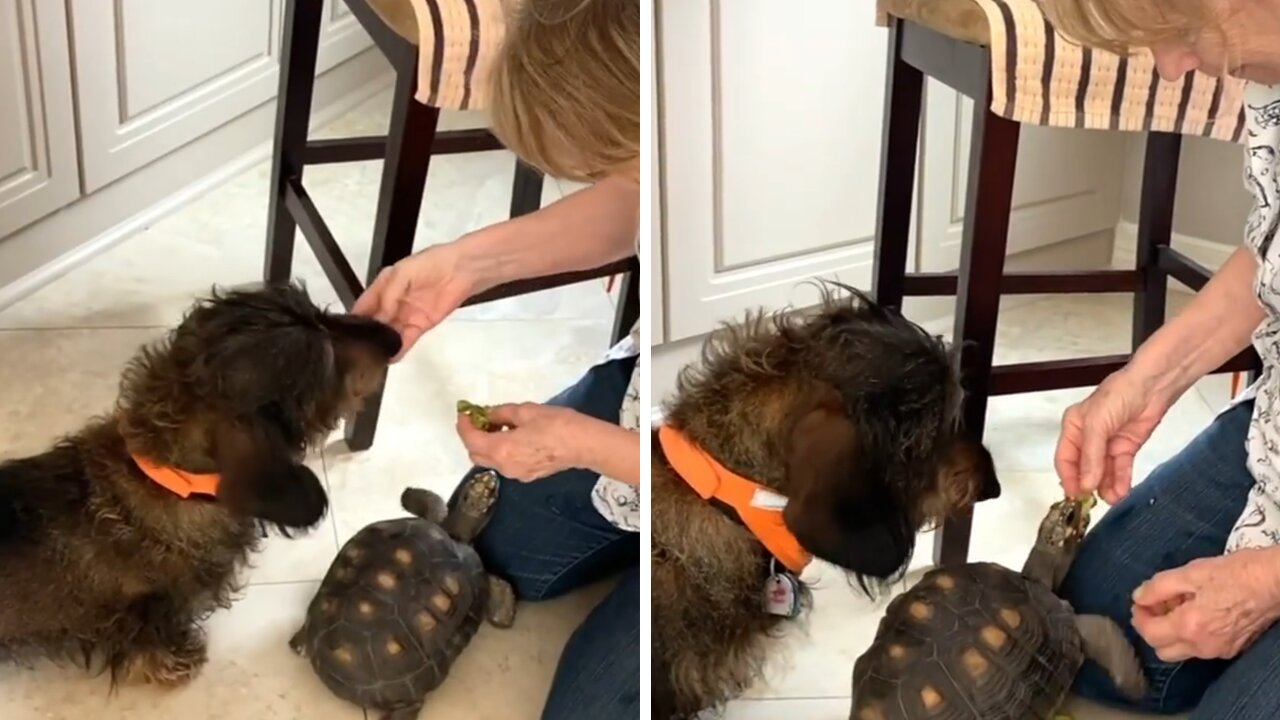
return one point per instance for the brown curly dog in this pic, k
(850, 412)
(101, 563)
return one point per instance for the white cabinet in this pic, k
(771, 125)
(1067, 183)
(37, 118)
(153, 75)
(770, 145)
(657, 323)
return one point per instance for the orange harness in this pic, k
(759, 507)
(179, 482)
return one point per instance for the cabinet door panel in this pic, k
(1067, 182)
(224, 59)
(37, 130)
(153, 75)
(770, 152)
(799, 129)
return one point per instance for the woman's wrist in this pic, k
(605, 448)
(1267, 584)
(1156, 369)
(1217, 324)
(480, 259)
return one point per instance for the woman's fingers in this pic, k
(409, 335)
(509, 415)
(1093, 454)
(1120, 478)
(370, 301)
(1176, 652)
(480, 445)
(384, 295)
(1066, 461)
(1066, 457)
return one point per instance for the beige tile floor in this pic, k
(62, 349)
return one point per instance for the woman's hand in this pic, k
(420, 291)
(1102, 433)
(1210, 608)
(539, 440)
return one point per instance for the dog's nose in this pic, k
(990, 488)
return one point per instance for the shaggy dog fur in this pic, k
(101, 565)
(853, 413)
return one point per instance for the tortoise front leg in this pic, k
(1105, 644)
(501, 611)
(298, 643)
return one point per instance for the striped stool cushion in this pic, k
(457, 42)
(1040, 77)
(960, 19)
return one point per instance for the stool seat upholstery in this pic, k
(456, 42)
(399, 16)
(960, 19)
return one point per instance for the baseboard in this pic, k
(55, 245)
(1206, 252)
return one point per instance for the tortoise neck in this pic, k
(1047, 564)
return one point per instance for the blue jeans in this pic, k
(1183, 511)
(547, 539)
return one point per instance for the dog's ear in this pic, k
(837, 508)
(260, 478)
(254, 370)
(355, 330)
(968, 473)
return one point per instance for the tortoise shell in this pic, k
(394, 611)
(971, 642)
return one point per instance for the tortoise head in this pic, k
(1065, 524)
(1059, 538)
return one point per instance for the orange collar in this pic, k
(759, 507)
(179, 482)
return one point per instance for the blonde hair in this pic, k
(1123, 25)
(566, 86)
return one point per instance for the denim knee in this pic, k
(598, 675)
(1183, 511)
(1247, 689)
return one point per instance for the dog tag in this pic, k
(781, 595)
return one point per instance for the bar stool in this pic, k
(411, 141)
(949, 40)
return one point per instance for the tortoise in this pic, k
(980, 641)
(402, 601)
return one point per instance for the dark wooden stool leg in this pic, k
(993, 157)
(1155, 230)
(410, 136)
(526, 190)
(628, 312)
(299, 48)
(904, 90)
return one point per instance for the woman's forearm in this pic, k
(1214, 327)
(589, 228)
(610, 450)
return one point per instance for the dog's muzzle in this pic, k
(990, 488)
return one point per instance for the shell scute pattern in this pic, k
(973, 642)
(395, 610)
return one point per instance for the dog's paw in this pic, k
(167, 668)
(298, 502)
